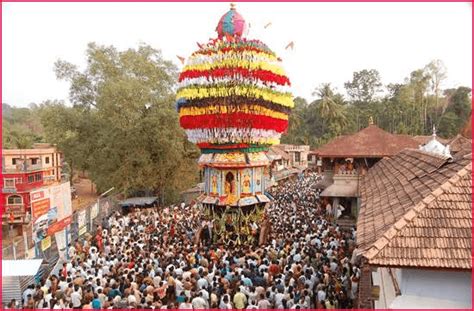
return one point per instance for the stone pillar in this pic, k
(364, 300)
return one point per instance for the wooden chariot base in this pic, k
(235, 226)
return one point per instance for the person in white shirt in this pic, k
(328, 209)
(76, 297)
(339, 211)
(278, 300)
(321, 294)
(131, 299)
(198, 302)
(62, 284)
(71, 252)
(186, 305)
(178, 285)
(29, 291)
(264, 303)
(205, 294)
(225, 302)
(252, 305)
(202, 283)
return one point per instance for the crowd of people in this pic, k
(149, 259)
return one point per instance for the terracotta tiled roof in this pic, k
(456, 144)
(280, 150)
(424, 139)
(370, 142)
(460, 143)
(416, 211)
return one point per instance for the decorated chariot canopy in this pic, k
(233, 93)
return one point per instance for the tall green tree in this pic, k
(364, 86)
(123, 118)
(458, 111)
(297, 132)
(437, 73)
(21, 127)
(330, 106)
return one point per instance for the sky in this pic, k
(331, 40)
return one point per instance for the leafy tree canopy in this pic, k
(123, 127)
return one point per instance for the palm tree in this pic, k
(331, 108)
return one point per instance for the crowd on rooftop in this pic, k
(148, 259)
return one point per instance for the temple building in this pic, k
(345, 159)
(414, 230)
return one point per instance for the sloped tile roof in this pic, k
(423, 139)
(279, 150)
(456, 144)
(460, 143)
(435, 234)
(413, 204)
(370, 142)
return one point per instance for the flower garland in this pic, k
(236, 101)
(217, 45)
(237, 119)
(234, 95)
(236, 73)
(219, 109)
(202, 81)
(284, 99)
(237, 63)
(208, 149)
(232, 55)
(223, 136)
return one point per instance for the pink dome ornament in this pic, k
(231, 25)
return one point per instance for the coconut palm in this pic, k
(330, 107)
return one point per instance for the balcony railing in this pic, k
(22, 168)
(347, 176)
(48, 180)
(348, 173)
(297, 149)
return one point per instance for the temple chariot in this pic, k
(233, 102)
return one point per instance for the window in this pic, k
(13, 161)
(38, 177)
(19, 180)
(297, 157)
(31, 178)
(9, 183)
(34, 161)
(46, 160)
(15, 199)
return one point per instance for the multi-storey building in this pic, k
(24, 170)
(298, 154)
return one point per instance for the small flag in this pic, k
(290, 45)
(181, 59)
